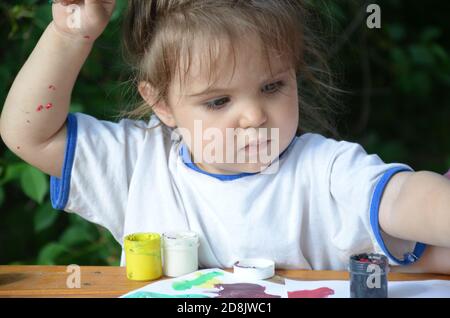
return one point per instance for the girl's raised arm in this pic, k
(32, 122)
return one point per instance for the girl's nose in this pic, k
(252, 115)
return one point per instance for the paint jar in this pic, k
(143, 256)
(180, 253)
(368, 276)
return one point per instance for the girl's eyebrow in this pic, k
(213, 89)
(208, 90)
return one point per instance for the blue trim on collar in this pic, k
(186, 158)
(410, 257)
(59, 188)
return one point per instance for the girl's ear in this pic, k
(161, 109)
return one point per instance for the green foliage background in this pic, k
(397, 105)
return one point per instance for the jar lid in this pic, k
(142, 242)
(183, 239)
(362, 263)
(254, 268)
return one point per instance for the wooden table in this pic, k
(108, 281)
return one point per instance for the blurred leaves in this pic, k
(418, 65)
(12, 171)
(50, 253)
(2, 196)
(34, 183)
(45, 216)
(399, 81)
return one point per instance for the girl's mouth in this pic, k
(255, 147)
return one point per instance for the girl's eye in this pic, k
(217, 103)
(273, 87)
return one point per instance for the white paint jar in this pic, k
(180, 253)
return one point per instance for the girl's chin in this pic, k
(233, 168)
(246, 168)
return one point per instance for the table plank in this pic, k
(111, 281)
(42, 281)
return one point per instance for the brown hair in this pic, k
(158, 33)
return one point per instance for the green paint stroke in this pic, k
(202, 279)
(144, 294)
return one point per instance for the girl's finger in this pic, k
(447, 174)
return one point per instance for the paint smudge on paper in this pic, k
(242, 290)
(145, 294)
(203, 280)
(322, 292)
(191, 286)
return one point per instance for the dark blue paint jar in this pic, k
(368, 276)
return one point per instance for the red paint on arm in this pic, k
(39, 108)
(49, 105)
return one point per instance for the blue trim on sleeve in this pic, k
(409, 258)
(59, 188)
(186, 157)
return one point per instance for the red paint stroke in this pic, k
(322, 292)
(49, 105)
(40, 107)
(52, 87)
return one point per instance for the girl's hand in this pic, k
(84, 19)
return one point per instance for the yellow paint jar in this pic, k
(143, 256)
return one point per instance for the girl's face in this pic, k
(248, 107)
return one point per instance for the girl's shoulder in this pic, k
(314, 143)
(316, 150)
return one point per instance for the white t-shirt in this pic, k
(320, 207)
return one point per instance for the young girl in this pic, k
(221, 70)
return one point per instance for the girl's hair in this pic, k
(159, 33)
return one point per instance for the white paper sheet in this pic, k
(216, 283)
